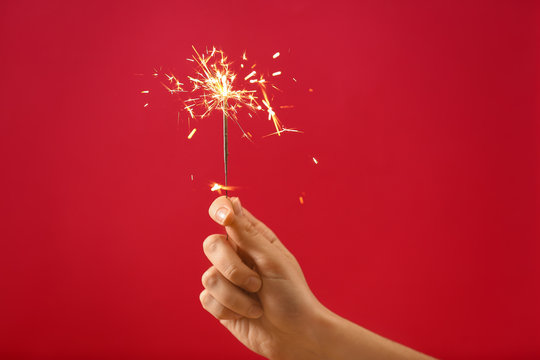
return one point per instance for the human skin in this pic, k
(256, 289)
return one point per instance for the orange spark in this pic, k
(301, 199)
(218, 187)
(145, 92)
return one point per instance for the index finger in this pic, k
(244, 232)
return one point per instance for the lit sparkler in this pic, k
(215, 86)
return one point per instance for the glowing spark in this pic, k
(244, 57)
(315, 161)
(301, 199)
(145, 92)
(310, 90)
(286, 106)
(294, 80)
(250, 75)
(192, 133)
(282, 131)
(191, 177)
(275, 55)
(218, 187)
(214, 81)
(276, 73)
(146, 105)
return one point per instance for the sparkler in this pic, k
(216, 87)
(213, 87)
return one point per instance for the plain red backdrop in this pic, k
(420, 221)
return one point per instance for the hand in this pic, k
(256, 287)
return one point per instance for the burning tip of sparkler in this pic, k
(218, 187)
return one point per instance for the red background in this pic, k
(420, 221)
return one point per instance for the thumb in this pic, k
(244, 231)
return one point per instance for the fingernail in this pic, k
(221, 214)
(253, 283)
(255, 311)
(237, 206)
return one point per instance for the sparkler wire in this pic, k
(226, 146)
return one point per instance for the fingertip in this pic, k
(221, 211)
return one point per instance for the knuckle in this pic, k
(210, 277)
(211, 243)
(204, 299)
(232, 272)
(221, 313)
(232, 301)
(249, 228)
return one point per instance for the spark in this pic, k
(282, 131)
(192, 133)
(146, 105)
(214, 81)
(301, 199)
(218, 187)
(315, 161)
(286, 106)
(276, 73)
(145, 92)
(276, 55)
(310, 90)
(250, 75)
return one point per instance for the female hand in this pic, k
(256, 287)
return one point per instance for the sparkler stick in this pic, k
(225, 146)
